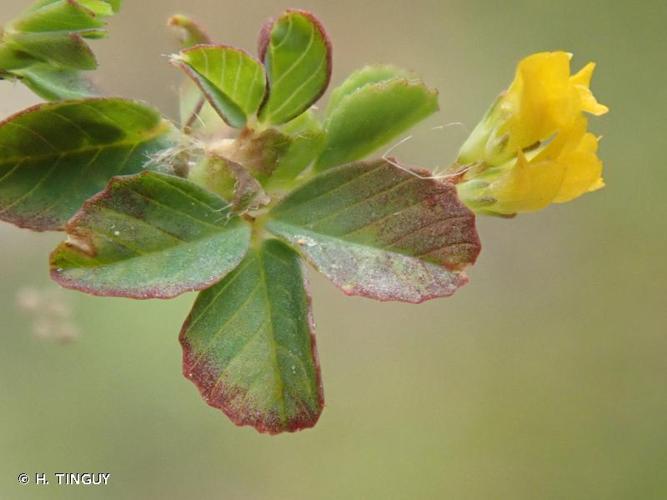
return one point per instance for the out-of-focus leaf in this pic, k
(54, 156)
(65, 51)
(150, 235)
(363, 77)
(189, 32)
(382, 232)
(11, 59)
(38, 4)
(99, 7)
(371, 116)
(62, 15)
(306, 139)
(297, 54)
(248, 344)
(51, 32)
(233, 82)
(115, 4)
(55, 84)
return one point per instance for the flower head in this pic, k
(532, 148)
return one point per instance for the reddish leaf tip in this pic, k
(222, 397)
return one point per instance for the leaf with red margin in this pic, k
(55, 156)
(380, 231)
(248, 344)
(296, 51)
(149, 236)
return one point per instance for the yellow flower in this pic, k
(562, 170)
(532, 148)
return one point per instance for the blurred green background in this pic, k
(544, 378)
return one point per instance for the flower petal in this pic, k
(528, 186)
(583, 170)
(582, 82)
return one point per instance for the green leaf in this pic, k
(54, 156)
(65, 51)
(373, 115)
(248, 344)
(150, 235)
(297, 55)
(92, 7)
(51, 32)
(62, 15)
(98, 7)
(306, 139)
(380, 231)
(363, 77)
(233, 82)
(38, 4)
(115, 4)
(55, 84)
(101, 7)
(11, 59)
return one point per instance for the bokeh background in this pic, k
(544, 378)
